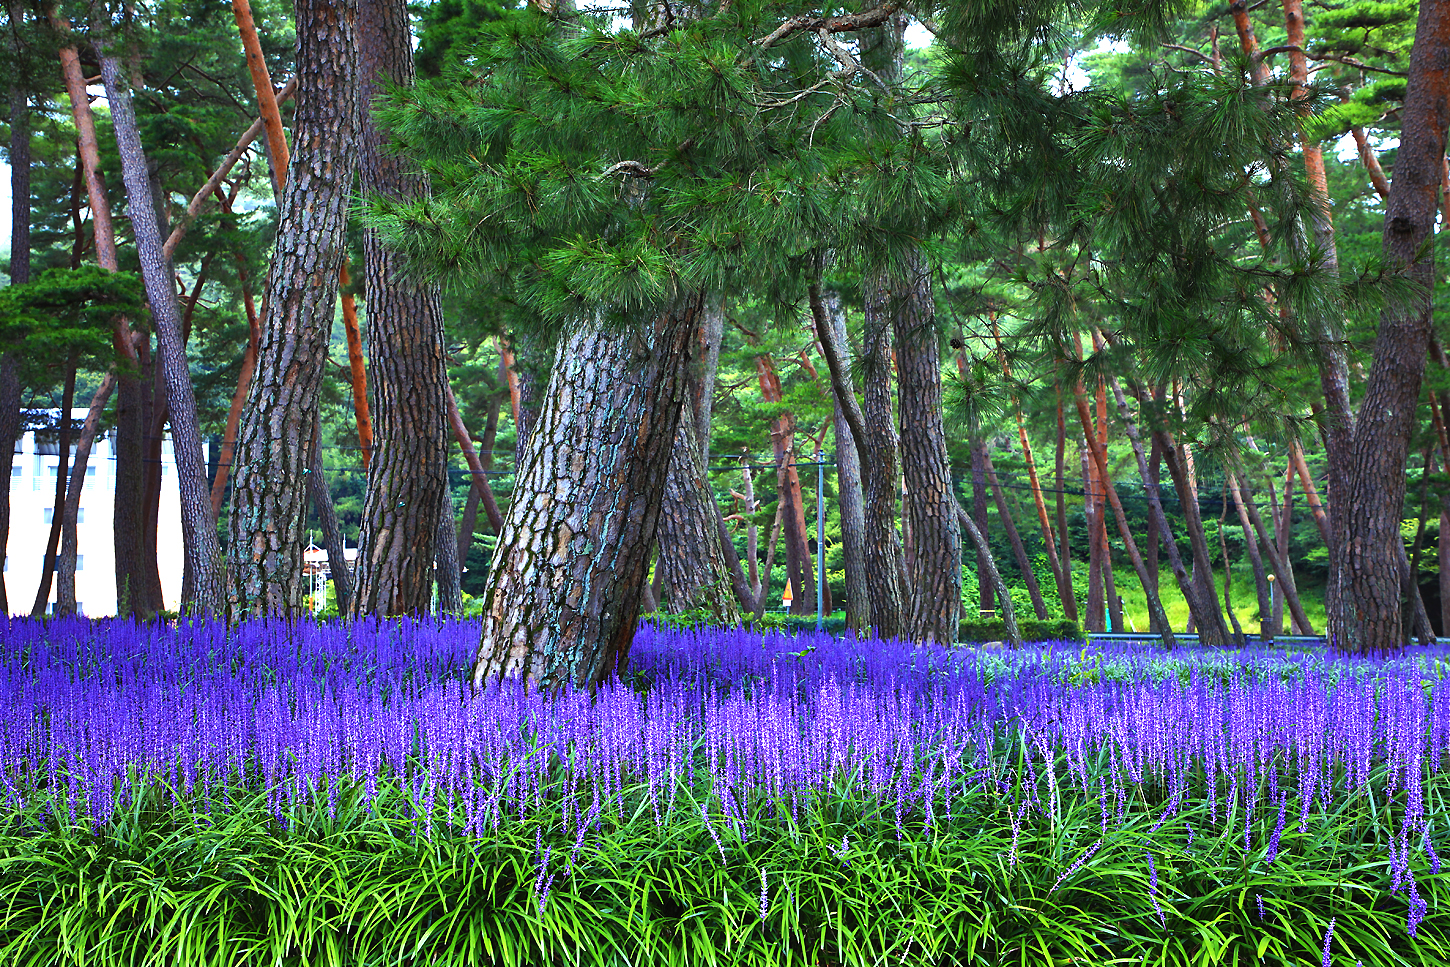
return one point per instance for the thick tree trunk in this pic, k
(274, 440)
(692, 564)
(52, 543)
(1024, 563)
(691, 561)
(1206, 614)
(885, 559)
(936, 576)
(406, 476)
(564, 589)
(830, 316)
(1365, 598)
(65, 591)
(199, 534)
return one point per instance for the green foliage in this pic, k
(1031, 630)
(65, 314)
(225, 882)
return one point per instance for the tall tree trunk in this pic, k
(1206, 614)
(52, 543)
(691, 561)
(65, 591)
(788, 490)
(564, 588)
(1064, 556)
(1244, 497)
(936, 576)
(986, 592)
(885, 559)
(274, 440)
(406, 477)
(19, 272)
(1024, 563)
(1365, 599)
(199, 535)
(1099, 458)
(1262, 585)
(711, 333)
(127, 521)
(1060, 575)
(357, 371)
(1097, 549)
(979, 540)
(830, 316)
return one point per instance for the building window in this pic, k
(80, 515)
(16, 470)
(49, 514)
(80, 562)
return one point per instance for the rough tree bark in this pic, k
(692, 561)
(406, 476)
(691, 564)
(885, 559)
(199, 534)
(1365, 607)
(275, 437)
(564, 587)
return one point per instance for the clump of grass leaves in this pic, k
(836, 881)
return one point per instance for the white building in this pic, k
(32, 504)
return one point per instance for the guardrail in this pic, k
(1180, 636)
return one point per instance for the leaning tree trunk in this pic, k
(199, 534)
(1206, 614)
(406, 476)
(1009, 613)
(564, 587)
(127, 520)
(1004, 512)
(273, 453)
(52, 542)
(321, 493)
(827, 313)
(692, 561)
(1365, 608)
(65, 584)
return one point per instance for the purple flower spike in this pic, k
(1328, 937)
(764, 896)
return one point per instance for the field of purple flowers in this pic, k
(281, 793)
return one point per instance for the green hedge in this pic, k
(1031, 629)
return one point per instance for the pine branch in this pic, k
(874, 17)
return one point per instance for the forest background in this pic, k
(1252, 459)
